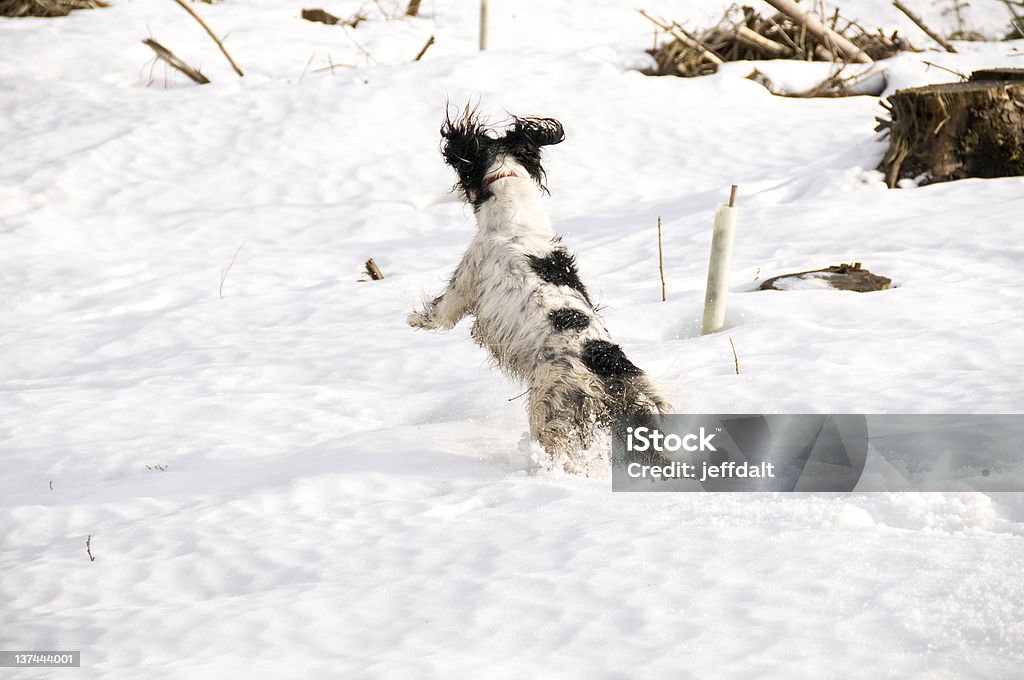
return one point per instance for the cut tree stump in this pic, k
(989, 74)
(840, 277)
(945, 132)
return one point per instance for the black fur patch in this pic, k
(469, 149)
(607, 360)
(559, 269)
(568, 319)
(525, 139)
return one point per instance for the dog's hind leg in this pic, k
(565, 407)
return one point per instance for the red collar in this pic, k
(494, 178)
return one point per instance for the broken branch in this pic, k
(210, 33)
(175, 62)
(425, 48)
(924, 27)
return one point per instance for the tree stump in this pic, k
(998, 74)
(945, 132)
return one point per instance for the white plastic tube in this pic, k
(718, 269)
(483, 24)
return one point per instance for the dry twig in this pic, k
(923, 26)
(175, 62)
(661, 267)
(735, 358)
(210, 33)
(224, 272)
(426, 47)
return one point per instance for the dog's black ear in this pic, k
(540, 131)
(463, 145)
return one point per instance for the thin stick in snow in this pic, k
(175, 62)
(425, 48)
(210, 33)
(735, 358)
(1018, 21)
(924, 27)
(88, 547)
(661, 268)
(224, 272)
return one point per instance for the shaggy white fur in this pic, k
(535, 318)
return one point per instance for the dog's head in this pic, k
(481, 155)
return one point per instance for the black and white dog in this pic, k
(521, 284)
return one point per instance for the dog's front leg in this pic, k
(449, 307)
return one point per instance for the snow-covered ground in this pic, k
(281, 479)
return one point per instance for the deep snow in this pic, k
(288, 481)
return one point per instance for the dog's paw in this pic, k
(421, 319)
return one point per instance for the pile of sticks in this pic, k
(794, 32)
(45, 8)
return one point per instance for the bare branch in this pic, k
(924, 27)
(175, 62)
(425, 48)
(210, 33)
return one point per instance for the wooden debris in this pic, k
(955, 130)
(841, 277)
(175, 62)
(828, 38)
(430, 41)
(1016, 24)
(373, 271)
(839, 83)
(1016, 74)
(212, 36)
(322, 16)
(45, 8)
(743, 34)
(924, 27)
